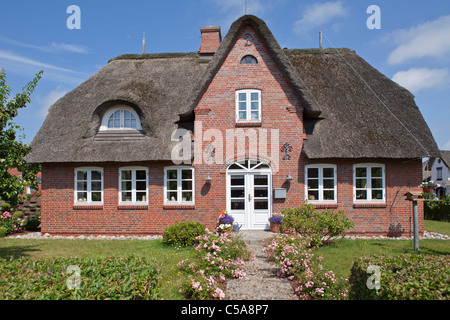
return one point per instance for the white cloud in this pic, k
(427, 40)
(53, 47)
(318, 15)
(416, 79)
(46, 101)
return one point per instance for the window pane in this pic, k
(141, 196)
(313, 184)
(261, 192)
(96, 196)
(377, 194)
(361, 183)
(172, 185)
(126, 196)
(377, 172)
(328, 172)
(127, 123)
(116, 123)
(172, 196)
(313, 195)
(254, 105)
(361, 172)
(313, 173)
(127, 114)
(186, 196)
(133, 124)
(81, 196)
(242, 106)
(261, 180)
(237, 193)
(96, 186)
(186, 174)
(328, 183)
(172, 174)
(111, 123)
(242, 96)
(255, 115)
(237, 180)
(377, 183)
(237, 204)
(328, 195)
(141, 185)
(126, 175)
(361, 194)
(261, 204)
(82, 186)
(141, 175)
(254, 96)
(242, 115)
(81, 175)
(186, 185)
(96, 175)
(126, 186)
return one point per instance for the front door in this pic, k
(249, 200)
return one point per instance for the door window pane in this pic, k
(238, 192)
(237, 204)
(261, 204)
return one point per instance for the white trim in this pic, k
(121, 108)
(179, 181)
(368, 167)
(248, 101)
(133, 186)
(320, 178)
(89, 186)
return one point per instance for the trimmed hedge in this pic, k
(183, 233)
(438, 210)
(405, 277)
(129, 278)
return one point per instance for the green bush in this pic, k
(17, 214)
(318, 225)
(3, 232)
(183, 233)
(438, 210)
(32, 222)
(5, 207)
(129, 278)
(406, 277)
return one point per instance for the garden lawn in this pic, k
(437, 226)
(166, 256)
(340, 255)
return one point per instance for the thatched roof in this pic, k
(343, 117)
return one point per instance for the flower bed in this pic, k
(219, 258)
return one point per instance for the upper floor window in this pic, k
(121, 118)
(321, 183)
(369, 183)
(439, 173)
(249, 59)
(248, 105)
(88, 186)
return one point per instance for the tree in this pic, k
(12, 150)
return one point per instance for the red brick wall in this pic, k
(216, 110)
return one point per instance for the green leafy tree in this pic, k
(12, 150)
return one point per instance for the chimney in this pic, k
(211, 39)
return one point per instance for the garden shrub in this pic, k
(32, 221)
(10, 223)
(183, 233)
(129, 278)
(17, 214)
(405, 277)
(318, 225)
(298, 263)
(5, 207)
(438, 210)
(2, 232)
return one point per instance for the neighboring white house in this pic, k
(440, 172)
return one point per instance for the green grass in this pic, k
(340, 255)
(437, 226)
(166, 256)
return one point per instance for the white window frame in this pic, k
(122, 108)
(320, 179)
(89, 186)
(248, 110)
(133, 186)
(439, 172)
(179, 185)
(368, 167)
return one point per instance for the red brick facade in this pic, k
(216, 110)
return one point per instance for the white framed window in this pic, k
(321, 183)
(121, 118)
(88, 185)
(179, 185)
(439, 173)
(369, 184)
(133, 185)
(248, 105)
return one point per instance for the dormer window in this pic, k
(249, 59)
(121, 118)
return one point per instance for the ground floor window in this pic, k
(321, 183)
(179, 185)
(133, 184)
(369, 183)
(88, 186)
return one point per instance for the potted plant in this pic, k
(225, 223)
(428, 186)
(275, 222)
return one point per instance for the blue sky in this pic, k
(412, 47)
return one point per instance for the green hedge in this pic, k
(183, 233)
(405, 277)
(438, 210)
(129, 278)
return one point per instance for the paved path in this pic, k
(260, 282)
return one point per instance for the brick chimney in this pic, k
(211, 39)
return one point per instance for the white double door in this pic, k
(249, 199)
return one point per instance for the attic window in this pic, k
(249, 59)
(121, 118)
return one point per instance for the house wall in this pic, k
(445, 171)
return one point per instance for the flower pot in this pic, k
(275, 227)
